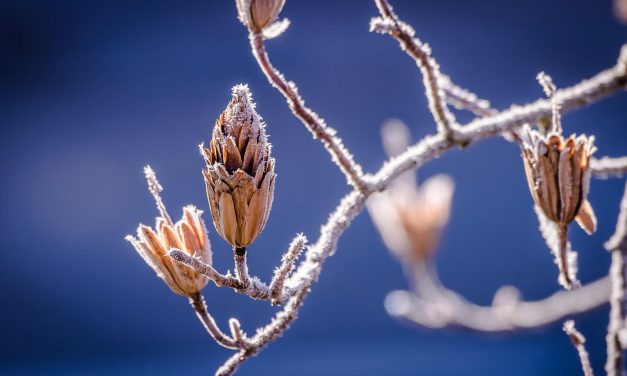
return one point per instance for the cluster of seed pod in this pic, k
(239, 178)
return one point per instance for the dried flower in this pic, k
(240, 172)
(188, 234)
(258, 14)
(558, 174)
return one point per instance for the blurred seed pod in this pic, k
(258, 14)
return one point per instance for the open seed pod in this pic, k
(558, 173)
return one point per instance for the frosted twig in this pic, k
(238, 334)
(312, 121)
(618, 298)
(287, 265)
(281, 322)
(199, 305)
(549, 90)
(578, 341)
(556, 237)
(583, 93)
(254, 289)
(389, 23)
(155, 189)
(463, 99)
(609, 167)
(241, 268)
(442, 307)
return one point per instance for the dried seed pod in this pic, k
(240, 172)
(558, 174)
(188, 235)
(258, 14)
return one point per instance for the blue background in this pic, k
(91, 91)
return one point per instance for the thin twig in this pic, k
(200, 307)
(463, 99)
(241, 267)
(421, 53)
(618, 273)
(609, 167)
(579, 341)
(312, 121)
(287, 265)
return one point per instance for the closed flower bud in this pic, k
(258, 14)
(188, 235)
(240, 172)
(558, 174)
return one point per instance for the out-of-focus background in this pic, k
(91, 91)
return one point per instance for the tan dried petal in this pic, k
(228, 221)
(586, 219)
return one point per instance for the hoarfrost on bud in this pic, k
(239, 173)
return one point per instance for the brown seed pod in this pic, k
(188, 235)
(258, 14)
(240, 172)
(558, 174)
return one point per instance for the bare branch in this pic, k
(312, 121)
(241, 268)
(389, 23)
(200, 306)
(585, 92)
(578, 341)
(462, 99)
(432, 305)
(287, 265)
(254, 289)
(609, 167)
(618, 298)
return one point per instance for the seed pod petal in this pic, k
(228, 221)
(586, 219)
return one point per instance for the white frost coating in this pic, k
(549, 232)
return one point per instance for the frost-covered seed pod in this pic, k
(258, 14)
(188, 235)
(558, 174)
(240, 172)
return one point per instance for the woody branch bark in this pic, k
(617, 245)
(312, 121)
(578, 341)
(405, 35)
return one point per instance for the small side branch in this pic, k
(578, 341)
(389, 23)
(280, 323)
(607, 167)
(241, 267)
(618, 273)
(462, 99)
(287, 265)
(312, 121)
(254, 289)
(200, 307)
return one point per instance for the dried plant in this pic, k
(240, 181)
